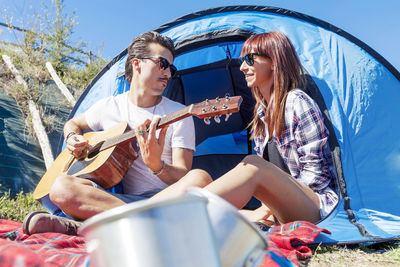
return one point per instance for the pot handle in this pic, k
(256, 257)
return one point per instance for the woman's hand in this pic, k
(262, 214)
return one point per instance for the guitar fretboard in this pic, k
(168, 119)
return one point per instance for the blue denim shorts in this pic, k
(129, 198)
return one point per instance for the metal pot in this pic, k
(239, 242)
(176, 232)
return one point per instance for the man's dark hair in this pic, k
(139, 48)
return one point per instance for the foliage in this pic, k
(50, 33)
(59, 30)
(32, 69)
(79, 78)
(48, 39)
(15, 208)
(32, 41)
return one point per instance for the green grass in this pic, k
(15, 208)
(380, 254)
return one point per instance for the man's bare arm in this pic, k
(73, 130)
(76, 125)
(151, 149)
(181, 163)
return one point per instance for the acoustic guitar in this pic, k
(111, 152)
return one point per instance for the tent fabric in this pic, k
(359, 89)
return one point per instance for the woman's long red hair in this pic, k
(288, 74)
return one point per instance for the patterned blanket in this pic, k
(287, 244)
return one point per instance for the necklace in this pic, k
(155, 106)
(154, 110)
(136, 115)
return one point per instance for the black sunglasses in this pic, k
(164, 64)
(249, 58)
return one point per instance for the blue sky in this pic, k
(111, 25)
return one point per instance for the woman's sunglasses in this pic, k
(164, 64)
(249, 58)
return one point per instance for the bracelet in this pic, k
(69, 135)
(161, 170)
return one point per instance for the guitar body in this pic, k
(106, 168)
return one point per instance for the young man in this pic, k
(163, 160)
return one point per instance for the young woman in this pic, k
(292, 120)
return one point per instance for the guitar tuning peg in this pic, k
(227, 116)
(217, 99)
(227, 97)
(217, 119)
(207, 102)
(207, 121)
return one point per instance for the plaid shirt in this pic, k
(304, 148)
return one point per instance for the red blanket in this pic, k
(290, 240)
(286, 246)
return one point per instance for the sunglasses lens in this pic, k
(164, 64)
(249, 58)
(173, 70)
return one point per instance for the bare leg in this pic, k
(79, 199)
(194, 177)
(287, 199)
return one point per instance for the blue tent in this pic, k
(356, 87)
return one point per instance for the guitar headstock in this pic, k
(216, 107)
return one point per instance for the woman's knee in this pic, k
(253, 160)
(254, 163)
(197, 177)
(250, 166)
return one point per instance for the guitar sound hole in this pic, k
(95, 150)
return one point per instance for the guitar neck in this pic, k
(129, 135)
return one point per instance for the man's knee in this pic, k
(63, 189)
